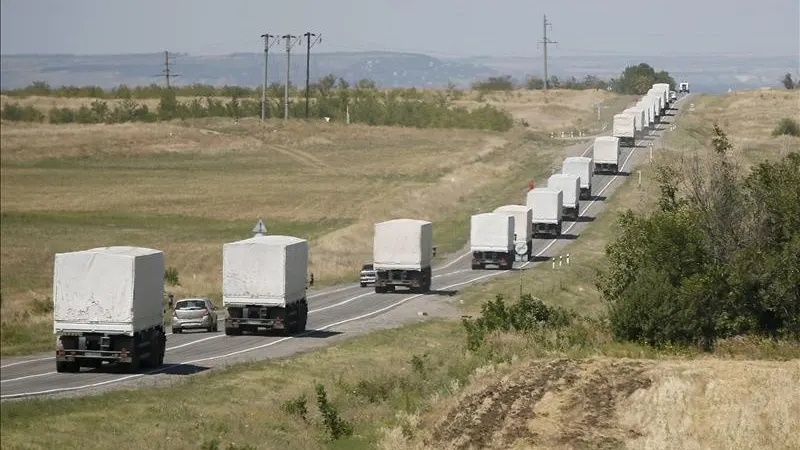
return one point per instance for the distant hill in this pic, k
(387, 69)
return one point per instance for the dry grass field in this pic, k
(186, 188)
(748, 117)
(417, 388)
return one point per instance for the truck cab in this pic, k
(368, 275)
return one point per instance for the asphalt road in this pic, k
(333, 312)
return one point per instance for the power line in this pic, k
(267, 44)
(309, 44)
(166, 73)
(291, 41)
(544, 42)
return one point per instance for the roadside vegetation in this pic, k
(541, 358)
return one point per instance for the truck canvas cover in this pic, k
(108, 290)
(405, 244)
(606, 150)
(624, 125)
(570, 187)
(581, 166)
(523, 220)
(546, 204)
(264, 270)
(491, 232)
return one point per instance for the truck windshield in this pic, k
(190, 304)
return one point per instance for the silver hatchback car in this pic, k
(194, 313)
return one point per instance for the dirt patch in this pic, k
(547, 404)
(621, 403)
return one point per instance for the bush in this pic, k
(787, 126)
(171, 276)
(718, 258)
(334, 424)
(524, 316)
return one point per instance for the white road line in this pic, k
(26, 362)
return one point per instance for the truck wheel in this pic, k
(67, 367)
(176, 330)
(232, 331)
(304, 316)
(363, 284)
(379, 290)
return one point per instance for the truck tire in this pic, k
(304, 316)
(67, 367)
(232, 331)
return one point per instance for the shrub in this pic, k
(787, 126)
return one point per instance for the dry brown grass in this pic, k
(187, 187)
(623, 403)
(747, 117)
(555, 110)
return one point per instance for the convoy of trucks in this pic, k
(547, 205)
(491, 240)
(606, 154)
(108, 306)
(264, 284)
(570, 187)
(108, 302)
(402, 251)
(523, 226)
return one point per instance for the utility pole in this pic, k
(166, 73)
(291, 40)
(544, 42)
(267, 45)
(309, 44)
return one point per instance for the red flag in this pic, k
(531, 185)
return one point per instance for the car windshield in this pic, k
(190, 304)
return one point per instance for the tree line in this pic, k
(634, 80)
(719, 257)
(334, 99)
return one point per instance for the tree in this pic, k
(788, 83)
(639, 79)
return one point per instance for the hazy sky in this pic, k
(436, 27)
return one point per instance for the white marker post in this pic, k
(554, 262)
(567, 258)
(260, 229)
(560, 260)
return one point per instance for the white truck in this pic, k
(583, 167)
(264, 281)
(108, 306)
(640, 118)
(624, 128)
(651, 102)
(684, 87)
(491, 240)
(663, 88)
(644, 105)
(402, 250)
(570, 187)
(547, 205)
(661, 104)
(523, 225)
(606, 154)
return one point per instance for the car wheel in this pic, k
(363, 284)
(176, 330)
